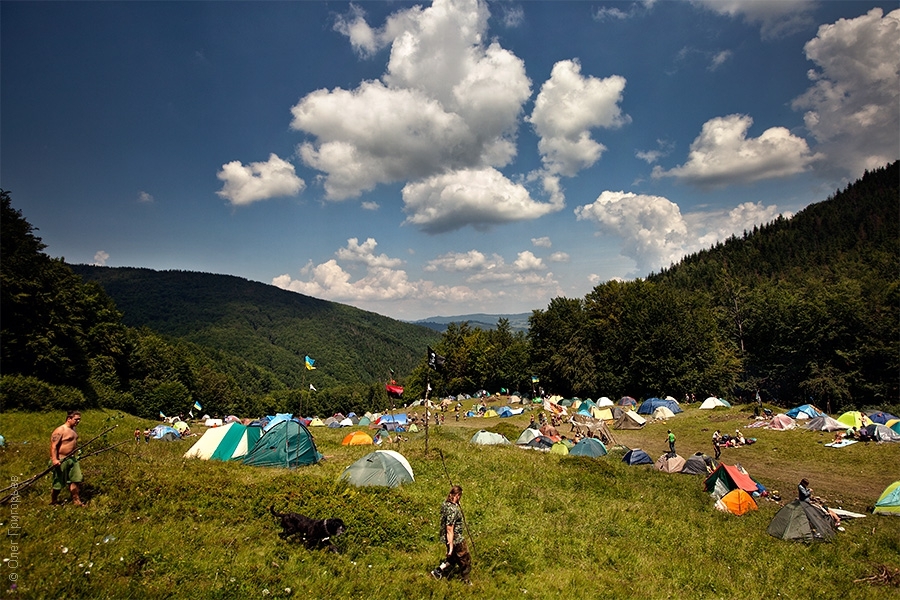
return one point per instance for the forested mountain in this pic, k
(265, 325)
(805, 309)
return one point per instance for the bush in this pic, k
(30, 393)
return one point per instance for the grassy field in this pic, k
(543, 526)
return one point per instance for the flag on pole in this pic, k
(435, 360)
(161, 415)
(309, 364)
(312, 388)
(534, 379)
(197, 406)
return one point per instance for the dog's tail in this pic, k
(273, 511)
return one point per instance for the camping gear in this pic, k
(662, 413)
(527, 435)
(357, 438)
(384, 468)
(588, 447)
(854, 419)
(542, 442)
(287, 444)
(627, 401)
(629, 420)
(225, 443)
(636, 456)
(604, 401)
(800, 521)
(559, 448)
(165, 433)
(737, 502)
(881, 417)
(881, 433)
(825, 423)
(782, 423)
(487, 438)
(670, 463)
(806, 411)
(180, 427)
(648, 406)
(728, 477)
(697, 464)
(712, 402)
(889, 501)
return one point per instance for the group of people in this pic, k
(805, 494)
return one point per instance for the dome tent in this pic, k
(287, 444)
(382, 468)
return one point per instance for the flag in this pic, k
(191, 414)
(503, 390)
(429, 387)
(312, 388)
(161, 415)
(309, 364)
(435, 360)
(534, 379)
(197, 406)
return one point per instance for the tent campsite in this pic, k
(287, 444)
(728, 477)
(636, 456)
(228, 442)
(527, 435)
(629, 420)
(697, 465)
(889, 501)
(670, 463)
(737, 502)
(357, 438)
(648, 406)
(383, 468)
(487, 438)
(800, 521)
(588, 447)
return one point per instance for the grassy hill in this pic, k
(265, 325)
(160, 526)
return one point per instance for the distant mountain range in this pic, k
(517, 322)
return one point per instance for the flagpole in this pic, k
(427, 388)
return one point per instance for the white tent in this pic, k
(224, 443)
(528, 435)
(711, 403)
(662, 413)
(604, 401)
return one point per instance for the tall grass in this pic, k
(160, 526)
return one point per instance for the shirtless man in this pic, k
(63, 442)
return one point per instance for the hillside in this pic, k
(517, 322)
(265, 325)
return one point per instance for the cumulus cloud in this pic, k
(542, 242)
(853, 106)
(100, 258)
(245, 184)
(655, 233)
(568, 106)
(479, 268)
(776, 18)
(480, 198)
(463, 261)
(145, 198)
(559, 257)
(370, 205)
(448, 101)
(723, 154)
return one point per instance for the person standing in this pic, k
(671, 439)
(452, 536)
(716, 439)
(66, 470)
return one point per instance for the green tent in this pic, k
(384, 468)
(287, 444)
(889, 501)
(800, 521)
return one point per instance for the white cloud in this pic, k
(853, 106)
(723, 154)
(511, 16)
(448, 101)
(542, 242)
(655, 233)
(463, 261)
(479, 198)
(370, 205)
(567, 108)
(145, 198)
(651, 156)
(365, 254)
(258, 181)
(527, 261)
(776, 18)
(100, 258)
(720, 58)
(559, 257)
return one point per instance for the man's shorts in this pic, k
(69, 471)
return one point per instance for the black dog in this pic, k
(315, 533)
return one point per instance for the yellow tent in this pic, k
(490, 413)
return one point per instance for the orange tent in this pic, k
(357, 438)
(737, 502)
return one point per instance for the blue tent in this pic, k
(505, 411)
(809, 410)
(637, 457)
(399, 419)
(881, 417)
(648, 406)
(273, 421)
(165, 432)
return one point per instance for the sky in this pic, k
(450, 158)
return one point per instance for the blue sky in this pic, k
(434, 159)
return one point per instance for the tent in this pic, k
(490, 413)
(882, 433)
(165, 433)
(346, 422)
(648, 406)
(737, 502)
(486, 438)
(287, 444)
(800, 521)
(726, 478)
(629, 420)
(670, 463)
(364, 421)
(805, 411)
(180, 426)
(712, 402)
(854, 418)
(278, 418)
(889, 501)
(384, 468)
(588, 447)
(881, 417)
(357, 438)
(662, 413)
(528, 435)
(698, 464)
(559, 448)
(627, 401)
(542, 442)
(825, 423)
(637, 456)
(549, 430)
(782, 423)
(317, 422)
(504, 412)
(400, 419)
(604, 401)
(225, 443)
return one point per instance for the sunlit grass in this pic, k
(157, 525)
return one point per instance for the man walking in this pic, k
(671, 439)
(66, 471)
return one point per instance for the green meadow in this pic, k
(157, 525)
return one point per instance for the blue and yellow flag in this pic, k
(197, 406)
(309, 364)
(534, 379)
